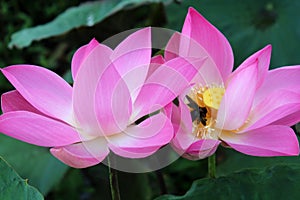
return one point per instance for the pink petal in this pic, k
(85, 87)
(277, 105)
(167, 110)
(185, 142)
(43, 89)
(13, 101)
(262, 57)
(213, 41)
(165, 84)
(271, 140)
(184, 46)
(281, 78)
(201, 149)
(82, 155)
(132, 58)
(156, 62)
(37, 129)
(182, 123)
(80, 55)
(113, 104)
(237, 101)
(134, 152)
(142, 140)
(289, 120)
(173, 47)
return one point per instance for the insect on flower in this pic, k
(249, 109)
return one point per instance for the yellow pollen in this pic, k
(212, 97)
(204, 103)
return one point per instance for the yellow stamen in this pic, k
(212, 97)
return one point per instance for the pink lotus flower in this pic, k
(112, 89)
(249, 110)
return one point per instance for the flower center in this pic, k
(212, 97)
(204, 103)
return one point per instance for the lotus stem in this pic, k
(212, 166)
(113, 179)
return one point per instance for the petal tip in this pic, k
(145, 31)
(268, 48)
(192, 10)
(94, 41)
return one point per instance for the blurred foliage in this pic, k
(19, 14)
(248, 25)
(41, 169)
(276, 182)
(93, 183)
(231, 161)
(87, 14)
(12, 186)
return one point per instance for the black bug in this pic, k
(198, 113)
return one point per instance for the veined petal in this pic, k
(201, 149)
(281, 78)
(172, 49)
(165, 84)
(167, 110)
(156, 62)
(237, 101)
(82, 155)
(138, 40)
(262, 57)
(134, 152)
(184, 46)
(43, 89)
(113, 104)
(289, 120)
(181, 45)
(80, 55)
(277, 105)
(213, 41)
(13, 101)
(182, 123)
(85, 85)
(37, 129)
(132, 59)
(143, 139)
(271, 140)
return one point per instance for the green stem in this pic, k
(113, 180)
(161, 181)
(212, 166)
